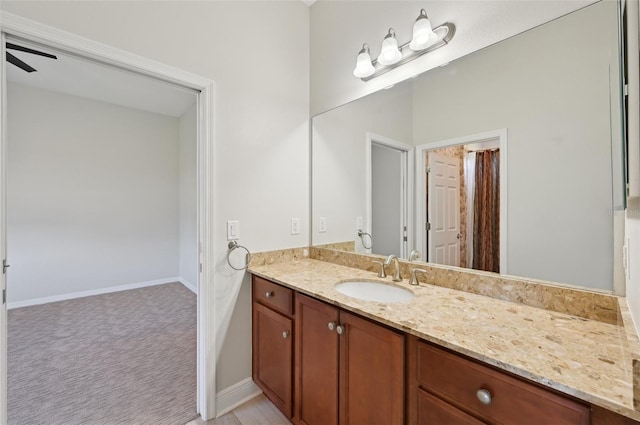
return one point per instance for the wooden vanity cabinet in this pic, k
(447, 385)
(273, 333)
(321, 365)
(349, 370)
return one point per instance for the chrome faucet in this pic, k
(414, 255)
(396, 267)
(413, 279)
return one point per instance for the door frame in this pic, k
(3, 239)
(421, 213)
(372, 138)
(36, 32)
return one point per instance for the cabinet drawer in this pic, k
(273, 295)
(433, 411)
(512, 401)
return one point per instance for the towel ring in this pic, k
(362, 237)
(233, 245)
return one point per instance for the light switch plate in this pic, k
(233, 230)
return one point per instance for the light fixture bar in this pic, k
(444, 32)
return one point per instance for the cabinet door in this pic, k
(272, 356)
(371, 373)
(433, 411)
(316, 362)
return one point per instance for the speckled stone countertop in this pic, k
(585, 358)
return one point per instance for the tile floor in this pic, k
(257, 411)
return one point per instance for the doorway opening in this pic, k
(463, 201)
(388, 200)
(87, 50)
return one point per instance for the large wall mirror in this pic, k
(507, 160)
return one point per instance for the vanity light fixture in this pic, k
(425, 39)
(364, 68)
(423, 35)
(389, 53)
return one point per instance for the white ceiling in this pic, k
(92, 80)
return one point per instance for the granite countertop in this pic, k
(585, 358)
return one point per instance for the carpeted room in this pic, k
(101, 242)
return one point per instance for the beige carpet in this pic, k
(122, 358)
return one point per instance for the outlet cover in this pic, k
(322, 224)
(295, 226)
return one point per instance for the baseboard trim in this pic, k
(193, 288)
(72, 295)
(235, 395)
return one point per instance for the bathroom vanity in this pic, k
(446, 356)
(335, 370)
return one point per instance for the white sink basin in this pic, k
(374, 291)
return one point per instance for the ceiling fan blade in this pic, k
(17, 62)
(28, 50)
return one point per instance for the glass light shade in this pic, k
(364, 67)
(389, 53)
(423, 35)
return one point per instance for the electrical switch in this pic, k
(233, 230)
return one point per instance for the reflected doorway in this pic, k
(389, 201)
(462, 202)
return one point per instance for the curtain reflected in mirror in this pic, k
(486, 211)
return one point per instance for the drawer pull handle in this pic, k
(331, 325)
(484, 396)
(285, 334)
(340, 329)
(270, 294)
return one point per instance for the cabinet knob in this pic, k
(331, 325)
(340, 329)
(285, 334)
(484, 396)
(269, 294)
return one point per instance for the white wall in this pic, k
(188, 225)
(632, 235)
(556, 109)
(340, 165)
(258, 55)
(632, 213)
(339, 28)
(93, 195)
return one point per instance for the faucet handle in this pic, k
(415, 254)
(413, 280)
(381, 272)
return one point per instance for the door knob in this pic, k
(285, 334)
(331, 325)
(269, 294)
(340, 329)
